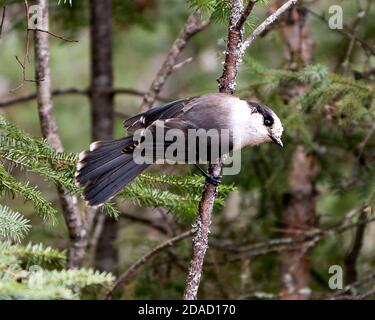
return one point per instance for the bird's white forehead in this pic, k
(277, 127)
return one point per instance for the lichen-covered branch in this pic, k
(227, 83)
(234, 53)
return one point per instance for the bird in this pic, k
(109, 165)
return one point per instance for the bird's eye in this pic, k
(268, 122)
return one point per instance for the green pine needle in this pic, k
(13, 225)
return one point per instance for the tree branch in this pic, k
(3, 17)
(266, 23)
(238, 17)
(345, 32)
(300, 238)
(350, 287)
(142, 260)
(52, 34)
(192, 26)
(227, 84)
(26, 58)
(352, 257)
(146, 221)
(79, 91)
(98, 229)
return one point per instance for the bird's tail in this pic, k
(105, 169)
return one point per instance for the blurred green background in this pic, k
(142, 34)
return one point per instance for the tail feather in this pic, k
(95, 170)
(105, 179)
(100, 152)
(111, 183)
(105, 169)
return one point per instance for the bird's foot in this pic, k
(210, 178)
(216, 181)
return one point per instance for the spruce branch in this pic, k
(35, 254)
(13, 225)
(8, 184)
(38, 283)
(178, 194)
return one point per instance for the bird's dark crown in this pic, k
(267, 113)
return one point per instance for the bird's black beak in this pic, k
(277, 140)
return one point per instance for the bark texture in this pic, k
(299, 214)
(102, 112)
(101, 69)
(227, 81)
(298, 218)
(72, 215)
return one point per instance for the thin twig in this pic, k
(192, 26)
(182, 63)
(95, 238)
(266, 23)
(27, 41)
(362, 145)
(80, 91)
(26, 58)
(352, 257)
(145, 258)
(245, 14)
(3, 17)
(350, 287)
(361, 15)
(52, 34)
(365, 295)
(290, 243)
(345, 32)
(146, 221)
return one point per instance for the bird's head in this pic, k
(266, 123)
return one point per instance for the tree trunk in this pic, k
(73, 219)
(102, 111)
(299, 214)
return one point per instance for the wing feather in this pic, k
(163, 112)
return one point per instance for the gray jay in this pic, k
(108, 166)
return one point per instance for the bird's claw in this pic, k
(216, 181)
(209, 177)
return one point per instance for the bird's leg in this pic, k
(212, 179)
